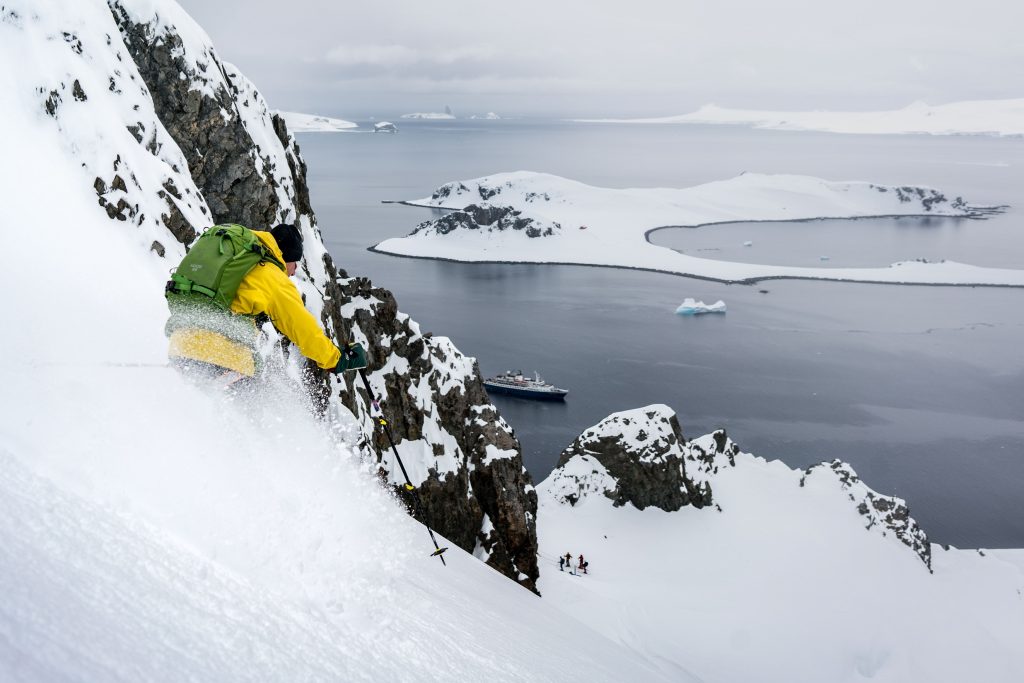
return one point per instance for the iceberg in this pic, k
(693, 307)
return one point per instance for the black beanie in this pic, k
(289, 239)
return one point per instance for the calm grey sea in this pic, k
(920, 388)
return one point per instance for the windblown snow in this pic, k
(977, 117)
(602, 226)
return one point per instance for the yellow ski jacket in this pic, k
(265, 289)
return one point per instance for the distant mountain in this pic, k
(979, 117)
(428, 115)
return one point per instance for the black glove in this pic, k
(353, 357)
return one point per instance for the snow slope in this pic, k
(979, 117)
(608, 227)
(782, 579)
(150, 530)
(312, 123)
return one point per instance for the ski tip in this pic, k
(438, 552)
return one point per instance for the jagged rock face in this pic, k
(885, 513)
(487, 217)
(221, 156)
(642, 459)
(464, 459)
(473, 487)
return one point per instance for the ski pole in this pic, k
(417, 510)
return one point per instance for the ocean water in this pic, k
(920, 388)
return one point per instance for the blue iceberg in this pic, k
(694, 307)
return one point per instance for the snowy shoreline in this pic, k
(623, 241)
(992, 118)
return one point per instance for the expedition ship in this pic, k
(515, 384)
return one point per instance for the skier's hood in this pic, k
(270, 243)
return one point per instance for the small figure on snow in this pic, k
(561, 563)
(583, 564)
(569, 564)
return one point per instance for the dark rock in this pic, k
(644, 454)
(220, 153)
(487, 217)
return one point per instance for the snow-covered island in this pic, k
(978, 117)
(311, 123)
(600, 226)
(429, 115)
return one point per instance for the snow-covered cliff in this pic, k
(171, 139)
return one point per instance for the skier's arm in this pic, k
(290, 317)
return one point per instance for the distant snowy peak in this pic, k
(485, 217)
(885, 514)
(312, 123)
(980, 117)
(635, 456)
(429, 115)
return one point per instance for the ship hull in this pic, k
(526, 393)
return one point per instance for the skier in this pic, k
(561, 563)
(568, 563)
(231, 278)
(583, 564)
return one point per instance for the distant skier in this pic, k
(583, 564)
(569, 564)
(561, 564)
(230, 277)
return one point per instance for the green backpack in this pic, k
(215, 265)
(202, 287)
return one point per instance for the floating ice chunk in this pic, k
(748, 243)
(824, 258)
(694, 307)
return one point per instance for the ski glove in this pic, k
(353, 357)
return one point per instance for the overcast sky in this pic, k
(624, 58)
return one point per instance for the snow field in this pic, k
(784, 584)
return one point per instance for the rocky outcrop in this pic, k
(470, 478)
(464, 459)
(885, 514)
(201, 114)
(638, 457)
(489, 218)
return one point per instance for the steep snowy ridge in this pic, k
(249, 168)
(788, 575)
(152, 531)
(887, 513)
(609, 227)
